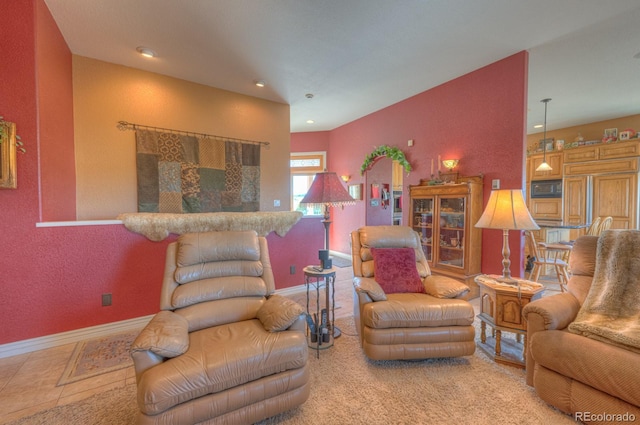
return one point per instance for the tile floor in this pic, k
(28, 381)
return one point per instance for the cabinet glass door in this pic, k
(423, 224)
(451, 221)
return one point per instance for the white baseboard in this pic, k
(340, 254)
(56, 340)
(293, 290)
(69, 337)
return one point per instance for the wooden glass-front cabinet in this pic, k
(445, 216)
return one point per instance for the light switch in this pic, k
(276, 202)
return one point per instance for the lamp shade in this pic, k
(507, 210)
(327, 190)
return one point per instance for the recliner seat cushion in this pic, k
(220, 358)
(411, 310)
(610, 369)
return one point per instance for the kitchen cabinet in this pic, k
(444, 216)
(554, 159)
(603, 188)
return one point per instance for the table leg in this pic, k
(483, 329)
(498, 340)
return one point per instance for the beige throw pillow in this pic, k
(278, 313)
(444, 287)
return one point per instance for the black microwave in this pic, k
(546, 189)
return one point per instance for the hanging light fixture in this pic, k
(544, 166)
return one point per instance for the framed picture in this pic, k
(7, 155)
(625, 135)
(355, 190)
(545, 144)
(611, 132)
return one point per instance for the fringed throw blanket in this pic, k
(157, 226)
(187, 174)
(611, 311)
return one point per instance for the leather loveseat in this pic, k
(594, 380)
(223, 349)
(432, 321)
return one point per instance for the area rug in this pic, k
(346, 387)
(97, 356)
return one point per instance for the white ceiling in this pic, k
(359, 56)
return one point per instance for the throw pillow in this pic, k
(444, 287)
(278, 313)
(395, 270)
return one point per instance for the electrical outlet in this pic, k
(495, 184)
(292, 269)
(106, 300)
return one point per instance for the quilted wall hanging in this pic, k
(191, 174)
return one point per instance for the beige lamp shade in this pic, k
(506, 210)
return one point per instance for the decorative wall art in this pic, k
(7, 155)
(192, 174)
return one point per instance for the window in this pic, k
(304, 166)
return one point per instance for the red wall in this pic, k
(55, 103)
(479, 118)
(52, 278)
(315, 141)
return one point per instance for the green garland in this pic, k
(388, 151)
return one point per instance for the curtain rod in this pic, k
(123, 125)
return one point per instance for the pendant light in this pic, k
(544, 166)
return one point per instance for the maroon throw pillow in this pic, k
(395, 270)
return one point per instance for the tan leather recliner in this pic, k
(407, 325)
(223, 349)
(576, 374)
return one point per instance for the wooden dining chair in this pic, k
(594, 227)
(543, 258)
(605, 224)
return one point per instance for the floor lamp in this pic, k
(327, 191)
(506, 210)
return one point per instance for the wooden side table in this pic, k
(501, 308)
(315, 278)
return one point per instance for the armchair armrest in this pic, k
(165, 336)
(279, 313)
(549, 313)
(369, 286)
(554, 312)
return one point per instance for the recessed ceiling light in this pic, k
(146, 52)
(309, 95)
(260, 83)
(310, 121)
(538, 126)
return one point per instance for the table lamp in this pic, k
(506, 210)
(327, 191)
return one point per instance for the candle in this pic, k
(439, 163)
(432, 166)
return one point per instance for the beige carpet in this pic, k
(349, 389)
(97, 356)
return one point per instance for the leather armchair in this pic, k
(223, 349)
(403, 326)
(574, 373)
